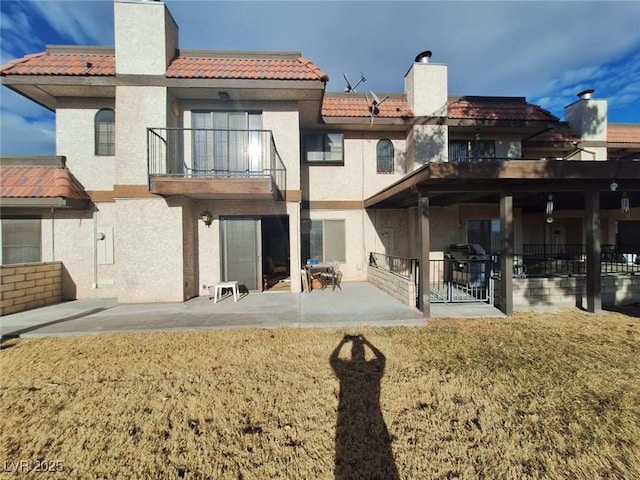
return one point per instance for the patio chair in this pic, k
(275, 269)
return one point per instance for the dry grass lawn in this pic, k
(533, 396)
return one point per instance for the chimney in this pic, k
(588, 118)
(425, 85)
(146, 37)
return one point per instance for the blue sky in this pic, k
(547, 51)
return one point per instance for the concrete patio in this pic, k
(357, 304)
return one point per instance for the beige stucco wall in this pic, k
(137, 108)
(75, 139)
(357, 179)
(150, 250)
(283, 121)
(427, 143)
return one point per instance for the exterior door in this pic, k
(241, 251)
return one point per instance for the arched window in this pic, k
(384, 156)
(105, 132)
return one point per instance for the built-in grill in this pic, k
(466, 264)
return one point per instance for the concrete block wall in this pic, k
(564, 292)
(30, 285)
(399, 288)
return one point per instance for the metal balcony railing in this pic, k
(570, 259)
(214, 153)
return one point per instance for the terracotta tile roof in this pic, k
(357, 105)
(62, 64)
(623, 133)
(40, 182)
(488, 108)
(241, 67)
(560, 133)
(296, 68)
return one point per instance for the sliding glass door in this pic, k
(227, 143)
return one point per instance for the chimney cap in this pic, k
(586, 94)
(423, 57)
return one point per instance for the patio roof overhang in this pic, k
(528, 181)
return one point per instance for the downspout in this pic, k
(95, 249)
(53, 235)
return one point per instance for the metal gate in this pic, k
(459, 281)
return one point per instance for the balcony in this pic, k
(215, 164)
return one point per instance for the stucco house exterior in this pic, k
(178, 169)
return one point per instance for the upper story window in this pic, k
(324, 148)
(384, 156)
(105, 132)
(471, 150)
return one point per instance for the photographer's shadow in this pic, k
(363, 444)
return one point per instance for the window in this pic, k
(485, 233)
(384, 156)
(325, 148)
(469, 150)
(324, 240)
(21, 240)
(105, 132)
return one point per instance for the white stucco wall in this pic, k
(137, 108)
(75, 139)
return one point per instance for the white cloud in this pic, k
(87, 22)
(19, 136)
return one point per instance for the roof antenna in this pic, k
(373, 107)
(349, 88)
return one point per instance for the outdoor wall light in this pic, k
(549, 209)
(613, 186)
(206, 218)
(624, 203)
(224, 96)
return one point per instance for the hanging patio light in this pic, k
(624, 203)
(549, 210)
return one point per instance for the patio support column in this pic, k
(594, 281)
(506, 253)
(425, 247)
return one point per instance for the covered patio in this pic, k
(589, 187)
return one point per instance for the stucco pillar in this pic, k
(295, 260)
(425, 247)
(594, 281)
(506, 253)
